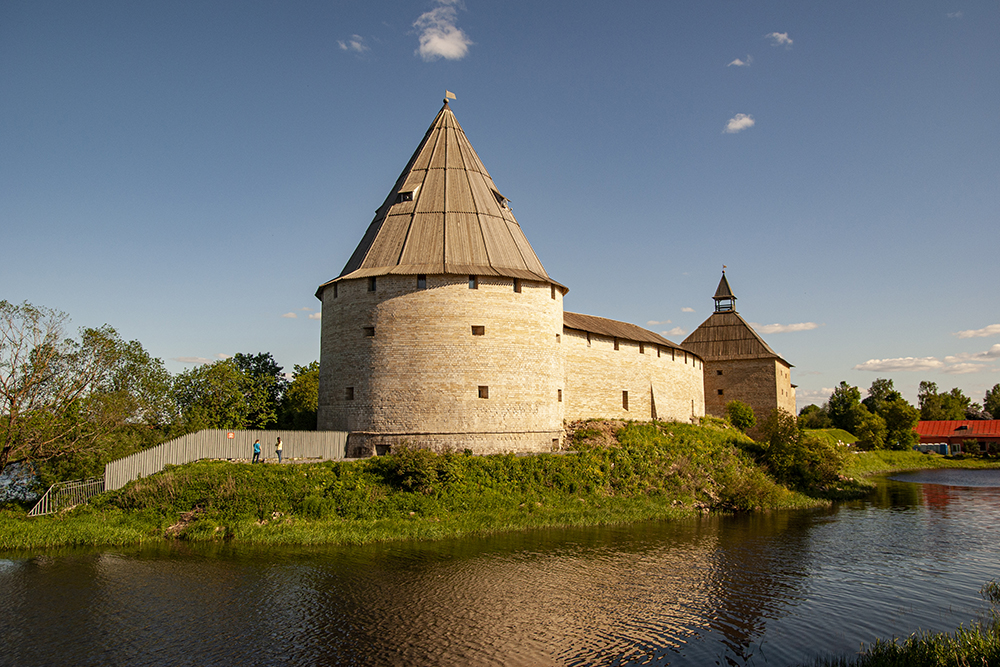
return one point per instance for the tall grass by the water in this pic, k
(643, 471)
(979, 644)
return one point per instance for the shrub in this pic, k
(741, 415)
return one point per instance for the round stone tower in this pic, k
(443, 330)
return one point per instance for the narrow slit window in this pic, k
(558, 338)
(349, 394)
(369, 332)
(624, 400)
(335, 286)
(720, 392)
(478, 330)
(616, 343)
(673, 354)
(588, 339)
(559, 394)
(658, 351)
(484, 391)
(642, 348)
(371, 284)
(473, 282)
(421, 281)
(517, 285)
(552, 291)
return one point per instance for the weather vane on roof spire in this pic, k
(448, 95)
(723, 268)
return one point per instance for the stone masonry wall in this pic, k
(763, 384)
(406, 364)
(662, 383)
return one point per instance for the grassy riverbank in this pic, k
(617, 473)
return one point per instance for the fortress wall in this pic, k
(418, 378)
(763, 384)
(666, 386)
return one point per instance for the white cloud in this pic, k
(355, 43)
(901, 364)
(290, 316)
(959, 369)
(738, 123)
(992, 353)
(653, 323)
(685, 309)
(741, 63)
(676, 331)
(815, 396)
(955, 15)
(439, 36)
(991, 330)
(784, 328)
(223, 355)
(316, 316)
(306, 308)
(192, 360)
(780, 39)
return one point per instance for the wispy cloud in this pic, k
(784, 328)
(191, 360)
(955, 15)
(291, 316)
(780, 39)
(961, 369)
(901, 364)
(741, 63)
(355, 43)
(992, 353)
(685, 309)
(653, 323)
(991, 330)
(316, 316)
(817, 396)
(676, 331)
(738, 123)
(222, 355)
(439, 36)
(306, 309)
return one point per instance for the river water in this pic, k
(766, 589)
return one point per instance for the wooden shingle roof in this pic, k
(614, 329)
(725, 336)
(444, 215)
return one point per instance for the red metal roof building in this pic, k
(983, 431)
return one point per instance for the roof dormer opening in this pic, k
(404, 196)
(501, 200)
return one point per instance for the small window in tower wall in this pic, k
(588, 339)
(720, 392)
(624, 400)
(404, 196)
(335, 286)
(349, 394)
(478, 330)
(718, 372)
(658, 350)
(484, 391)
(558, 338)
(559, 393)
(369, 332)
(552, 291)
(517, 285)
(473, 282)
(616, 343)
(642, 349)
(673, 354)
(371, 284)
(421, 281)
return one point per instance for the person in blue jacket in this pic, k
(256, 451)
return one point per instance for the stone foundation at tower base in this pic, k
(360, 445)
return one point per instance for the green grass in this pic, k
(831, 435)
(648, 471)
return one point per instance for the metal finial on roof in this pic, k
(448, 95)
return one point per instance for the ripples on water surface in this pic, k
(778, 588)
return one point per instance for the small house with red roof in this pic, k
(955, 433)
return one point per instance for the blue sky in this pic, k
(190, 172)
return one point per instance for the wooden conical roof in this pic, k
(444, 215)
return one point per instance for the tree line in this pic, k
(68, 405)
(885, 420)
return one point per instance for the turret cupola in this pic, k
(725, 300)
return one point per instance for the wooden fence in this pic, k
(221, 444)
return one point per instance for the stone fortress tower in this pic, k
(739, 365)
(445, 331)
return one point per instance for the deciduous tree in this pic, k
(740, 415)
(301, 399)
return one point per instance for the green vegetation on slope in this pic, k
(633, 472)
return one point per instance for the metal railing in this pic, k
(63, 495)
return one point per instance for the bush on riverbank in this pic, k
(640, 471)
